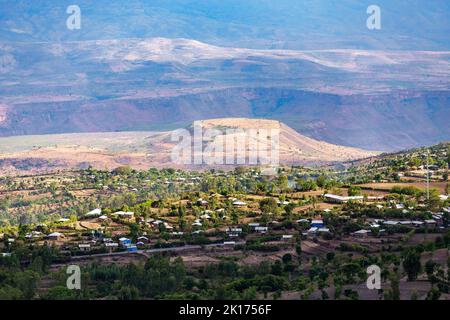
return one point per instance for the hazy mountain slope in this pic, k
(381, 100)
(370, 89)
(388, 122)
(292, 24)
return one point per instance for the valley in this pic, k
(177, 152)
(376, 100)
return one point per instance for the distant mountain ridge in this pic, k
(262, 24)
(159, 65)
(367, 99)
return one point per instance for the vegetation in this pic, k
(229, 234)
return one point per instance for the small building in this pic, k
(261, 229)
(202, 202)
(143, 239)
(132, 248)
(84, 247)
(323, 230)
(124, 241)
(55, 236)
(317, 223)
(430, 222)
(33, 235)
(126, 215)
(168, 226)
(287, 237)
(234, 230)
(375, 198)
(341, 199)
(93, 213)
(391, 222)
(361, 233)
(312, 230)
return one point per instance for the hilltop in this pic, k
(143, 150)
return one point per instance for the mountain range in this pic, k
(377, 100)
(160, 65)
(257, 24)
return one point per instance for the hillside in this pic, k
(142, 150)
(263, 24)
(382, 100)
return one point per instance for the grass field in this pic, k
(388, 186)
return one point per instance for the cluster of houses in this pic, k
(316, 226)
(333, 198)
(381, 224)
(234, 232)
(258, 228)
(235, 202)
(98, 213)
(111, 245)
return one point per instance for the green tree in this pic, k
(306, 185)
(412, 265)
(123, 171)
(59, 293)
(433, 294)
(10, 293)
(268, 205)
(27, 282)
(128, 293)
(354, 191)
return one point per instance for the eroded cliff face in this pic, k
(386, 122)
(382, 100)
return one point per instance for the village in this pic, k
(299, 215)
(106, 233)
